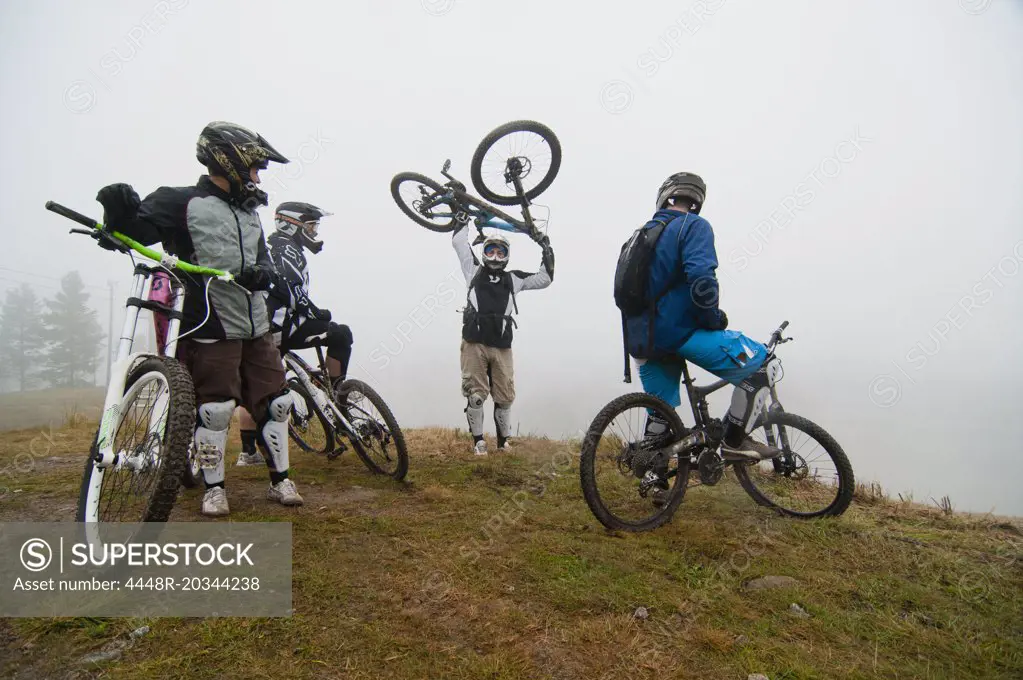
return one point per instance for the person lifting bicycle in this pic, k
(229, 351)
(688, 324)
(295, 320)
(487, 321)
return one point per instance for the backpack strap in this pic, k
(625, 349)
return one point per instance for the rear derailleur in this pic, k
(648, 463)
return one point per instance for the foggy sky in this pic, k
(863, 161)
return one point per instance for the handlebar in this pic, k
(776, 337)
(95, 230)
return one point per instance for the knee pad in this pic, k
(211, 438)
(502, 419)
(273, 431)
(339, 334)
(474, 413)
(749, 399)
(756, 408)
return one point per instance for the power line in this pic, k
(30, 283)
(43, 276)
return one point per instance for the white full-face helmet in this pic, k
(496, 250)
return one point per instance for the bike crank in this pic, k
(711, 467)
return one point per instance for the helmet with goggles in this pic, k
(301, 221)
(496, 250)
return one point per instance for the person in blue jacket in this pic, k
(688, 323)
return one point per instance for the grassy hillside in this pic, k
(495, 569)
(43, 408)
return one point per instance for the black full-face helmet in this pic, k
(231, 151)
(686, 185)
(301, 221)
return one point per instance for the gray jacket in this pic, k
(203, 225)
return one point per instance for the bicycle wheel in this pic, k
(151, 439)
(812, 479)
(412, 192)
(524, 149)
(313, 432)
(375, 435)
(620, 468)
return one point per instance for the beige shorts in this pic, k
(488, 370)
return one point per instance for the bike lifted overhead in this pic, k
(512, 165)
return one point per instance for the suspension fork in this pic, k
(105, 455)
(785, 462)
(174, 323)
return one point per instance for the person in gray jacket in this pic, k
(226, 346)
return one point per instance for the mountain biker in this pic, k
(229, 350)
(301, 324)
(486, 355)
(688, 324)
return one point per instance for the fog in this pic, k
(864, 163)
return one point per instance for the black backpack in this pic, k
(632, 279)
(632, 275)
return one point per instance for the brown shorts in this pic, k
(488, 370)
(248, 371)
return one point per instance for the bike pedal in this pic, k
(340, 447)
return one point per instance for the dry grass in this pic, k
(49, 408)
(494, 568)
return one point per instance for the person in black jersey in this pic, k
(299, 323)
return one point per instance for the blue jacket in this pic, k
(683, 265)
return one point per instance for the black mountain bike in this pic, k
(633, 483)
(322, 421)
(513, 165)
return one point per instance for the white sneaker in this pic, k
(284, 492)
(214, 503)
(480, 448)
(250, 459)
(506, 447)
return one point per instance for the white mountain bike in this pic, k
(136, 460)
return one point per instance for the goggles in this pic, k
(495, 251)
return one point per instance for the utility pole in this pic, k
(110, 327)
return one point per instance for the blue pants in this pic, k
(727, 354)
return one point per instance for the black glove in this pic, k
(548, 257)
(120, 204)
(723, 320)
(320, 314)
(255, 278)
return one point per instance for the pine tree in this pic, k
(21, 337)
(73, 336)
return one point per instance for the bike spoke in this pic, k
(416, 196)
(619, 453)
(127, 486)
(520, 144)
(370, 431)
(806, 480)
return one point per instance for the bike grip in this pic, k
(784, 325)
(72, 215)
